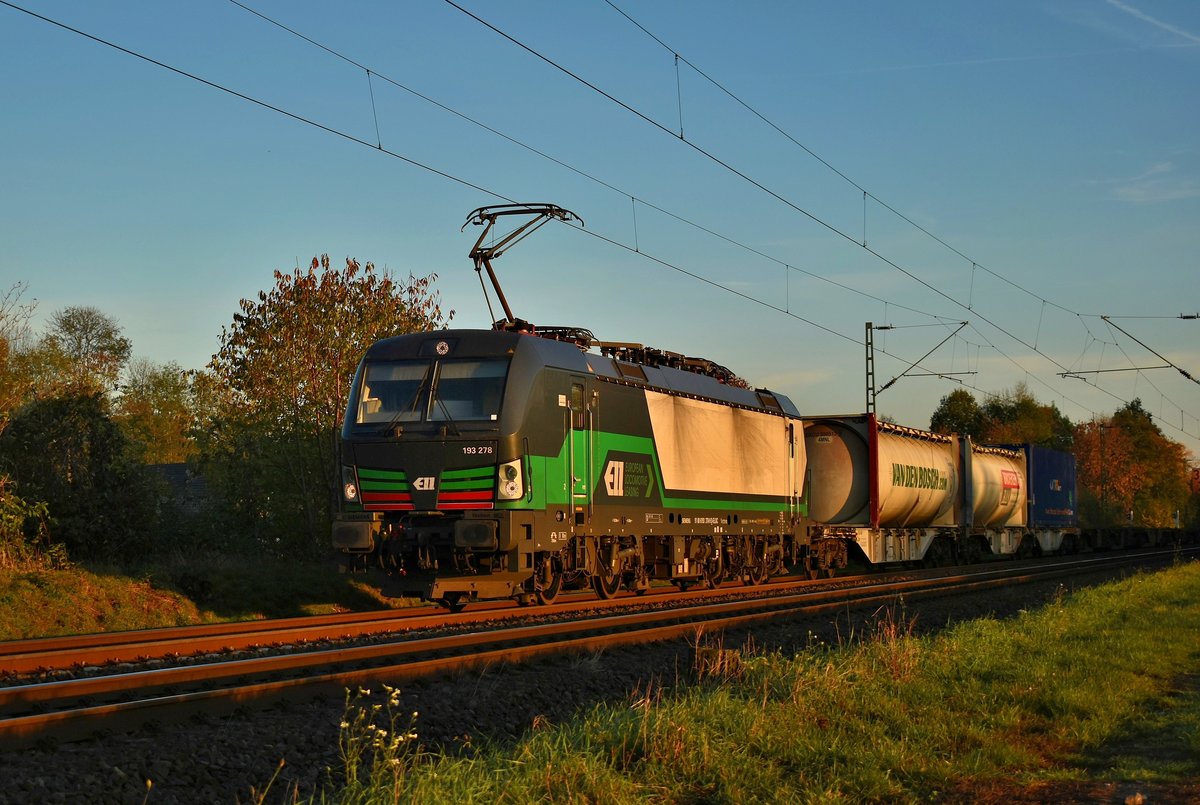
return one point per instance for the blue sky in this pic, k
(1052, 150)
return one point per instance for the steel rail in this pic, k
(75, 713)
(53, 653)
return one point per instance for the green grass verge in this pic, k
(1089, 688)
(78, 600)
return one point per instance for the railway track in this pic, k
(79, 708)
(47, 655)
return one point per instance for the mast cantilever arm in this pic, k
(487, 216)
(923, 357)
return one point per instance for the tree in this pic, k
(958, 413)
(93, 345)
(14, 334)
(1126, 464)
(68, 452)
(155, 412)
(24, 538)
(1017, 417)
(1104, 472)
(282, 377)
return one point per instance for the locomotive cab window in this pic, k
(469, 390)
(431, 391)
(393, 391)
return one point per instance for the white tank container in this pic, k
(916, 474)
(837, 470)
(998, 487)
(918, 477)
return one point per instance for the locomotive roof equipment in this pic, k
(484, 255)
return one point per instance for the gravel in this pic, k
(233, 758)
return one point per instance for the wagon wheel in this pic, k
(453, 602)
(606, 581)
(547, 582)
(714, 572)
(757, 568)
(810, 568)
(940, 553)
(757, 573)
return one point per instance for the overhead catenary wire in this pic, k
(975, 265)
(442, 173)
(717, 160)
(810, 215)
(634, 198)
(415, 163)
(867, 194)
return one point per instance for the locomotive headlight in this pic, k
(349, 485)
(509, 476)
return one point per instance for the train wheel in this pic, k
(810, 568)
(940, 553)
(757, 567)
(548, 581)
(714, 573)
(606, 582)
(453, 602)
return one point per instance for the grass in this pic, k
(40, 603)
(1100, 685)
(45, 602)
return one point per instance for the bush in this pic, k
(24, 537)
(68, 452)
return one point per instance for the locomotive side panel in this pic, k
(705, 447)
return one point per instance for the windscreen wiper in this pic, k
(393, 426)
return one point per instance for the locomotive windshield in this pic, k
(431, 391)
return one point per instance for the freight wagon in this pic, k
(896, 494)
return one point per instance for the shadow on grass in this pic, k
(1156, 761)
(1163, 747)
(240, 588)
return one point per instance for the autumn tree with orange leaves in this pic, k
(1129, 472)
(279, 385)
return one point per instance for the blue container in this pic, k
(1052, 494)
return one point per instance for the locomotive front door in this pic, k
(580, 444)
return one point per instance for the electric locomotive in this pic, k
(519, 461)
(494, 464)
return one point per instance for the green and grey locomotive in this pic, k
(482, 464)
